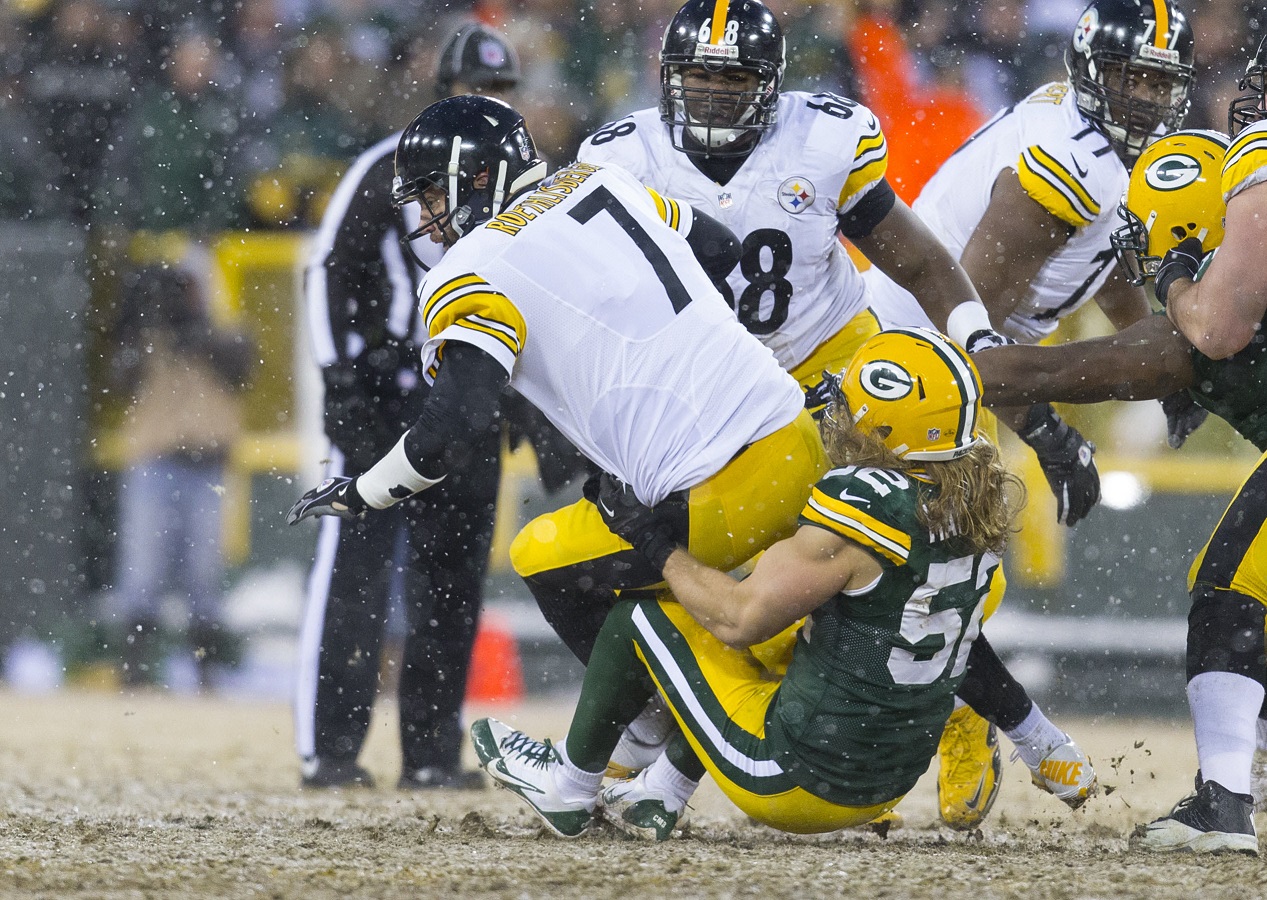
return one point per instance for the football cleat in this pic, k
(526, 767)
(1211, 819)
(968, 779)
(631, 808)
(1067, 774)
(323, 773)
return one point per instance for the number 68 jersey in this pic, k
(592, 301)
(794, 286)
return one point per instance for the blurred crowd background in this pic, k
(113, 111)
(135, 132)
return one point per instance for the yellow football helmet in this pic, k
(1174, 193)
(919, 385)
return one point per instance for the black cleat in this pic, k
(320, 773)
(1211, 819)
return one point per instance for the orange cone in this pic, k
(496, 673)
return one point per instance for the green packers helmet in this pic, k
(1174, 193)
(916, 390)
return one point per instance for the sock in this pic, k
(1225, 718)
(575, 785)
(1262, 734)
(1035, 737)
(667, 783)
(653, 725)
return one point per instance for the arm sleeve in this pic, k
(461, 411)
(463, 407)
(714, 245)
(862, 218)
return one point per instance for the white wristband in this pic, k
(965, 320)
(392, 479)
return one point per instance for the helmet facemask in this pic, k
(1251, 106)
(1108, 95)
(711, 120)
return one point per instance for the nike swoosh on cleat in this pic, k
(512, 782)
(975, 800)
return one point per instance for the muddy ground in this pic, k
(153, 795)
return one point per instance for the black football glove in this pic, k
(335, 496)
(1068, 461)
(650, 530)
(1183, 416)
(1182, 261)
(984, 339)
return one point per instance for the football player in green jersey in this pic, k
(815, 690)
(1175, 212)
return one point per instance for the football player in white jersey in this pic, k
(790, 172)
(585, 292)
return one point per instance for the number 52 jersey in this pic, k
(794, 286)
(606, 322)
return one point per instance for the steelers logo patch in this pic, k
(885, 380)
(796, 194)
(1172, 172)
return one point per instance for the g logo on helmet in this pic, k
(885, 380)
(1172, 172)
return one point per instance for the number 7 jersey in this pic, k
(794, 286)
(606, 322)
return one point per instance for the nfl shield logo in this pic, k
(934, 434)
(724, 200)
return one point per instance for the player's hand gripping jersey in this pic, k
(794, 286)
(1066, 166)
(878, 669)
(607, 324)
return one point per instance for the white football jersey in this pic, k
(795, 285)
(607, 323)
(1245, 163)
(1065, 165)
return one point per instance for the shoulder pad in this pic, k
(1245, 162)
(872, 507)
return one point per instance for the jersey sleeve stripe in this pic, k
(871, 162)
(1244, 160)
(447, 289)
(475, 323)
(669, 210)
(1051, 185)
(852, 523)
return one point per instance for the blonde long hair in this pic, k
(973, 497)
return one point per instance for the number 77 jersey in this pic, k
(588, 294)
(794, 287)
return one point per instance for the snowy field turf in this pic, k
(154, 795)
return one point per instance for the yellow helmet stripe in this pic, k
(717, 30)
(1161, 37)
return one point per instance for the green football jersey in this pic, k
(873, 675)
(1235, 389)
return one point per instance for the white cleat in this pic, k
(1066, 773)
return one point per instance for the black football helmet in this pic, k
(1116, 42)
(717, 36)
(1248, 108)
(478, 57)
(476, 150)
